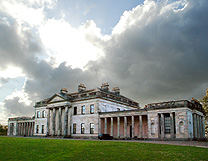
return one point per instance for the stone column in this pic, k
(33, 125)
(48, 122)
(162, 126)
(66, 121)
(140, 126)
(198, 126)
(125, 127)
(118, 127)
(59, 122)
(172, 125)
(53, 121)
(99, 126)
(111, 126)
(105, 125)
(24, 128)
(132, 122)
(29, 128)
(20, 128)
(195, 126)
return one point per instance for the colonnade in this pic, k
(25, 128)
(51, 119)
(198, 126)
(125, 128)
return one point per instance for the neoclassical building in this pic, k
(88, 113)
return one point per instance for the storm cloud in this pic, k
(158, 51)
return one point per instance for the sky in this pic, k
(154, 50)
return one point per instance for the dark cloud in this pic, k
(162, 56)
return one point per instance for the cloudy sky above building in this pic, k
(153, 50)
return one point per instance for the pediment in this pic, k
(56, 98)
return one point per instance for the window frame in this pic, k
(75, 113)
(37, 129)
(92, 127)
(74, 128)
(43, 114)
(82, 128)
(92, 110)
(38, 114)
(43, 129)
(83, 110)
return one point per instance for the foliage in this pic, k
(15, 148)
(204, 102)
(3, 130)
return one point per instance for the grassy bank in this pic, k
(12, 148)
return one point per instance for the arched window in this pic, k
(43, 114)
(38, 114)
(181, 129)
(152, 128)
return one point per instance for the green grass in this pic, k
(12, 148)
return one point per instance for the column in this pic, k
(48, 122)
(53, 121)
(24, 128)
(140, 126)
(33, 124)
(198, 126)
(132, 122)
(105, 125)
(99, 126)
(172, 125)
(118, 127)
(162, 126)
(59, 122)
(66, 121)
(111, 126)
(195, 126)
(29, 128)
(21, 129)
(125, 127)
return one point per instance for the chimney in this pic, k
(63, 91)
(116, 90)
(81, 87)
(105, 86)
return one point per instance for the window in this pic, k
(38, 114)
(43, 114)
(42, 129)
(91, 109)
(82, 128)
(74, 128)
(75, 110)
(181, 130)
(167, 124)
(83, 110)
(91, 128)
(37, 129)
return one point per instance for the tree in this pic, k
(204, 102)
(3, 130)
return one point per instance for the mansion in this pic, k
(88, 113)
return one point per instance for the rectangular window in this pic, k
(91, 109)
(83, 110)
(75, 110)
(167, 124)
(37, 129)
(82, 128)
(91, 128)
(42, 129)
(74, 128)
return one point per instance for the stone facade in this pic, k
(88, 113)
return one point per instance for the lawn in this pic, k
(12, 148)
